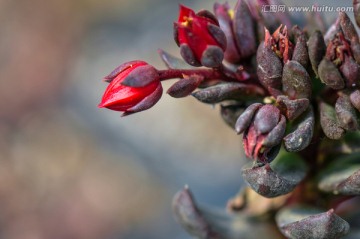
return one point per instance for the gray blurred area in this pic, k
(71, 170)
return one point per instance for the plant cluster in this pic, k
(291, 87)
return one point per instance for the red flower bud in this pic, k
(342, 54)
(279, 42)
(129, 99)
(200, 38)
(264, 128)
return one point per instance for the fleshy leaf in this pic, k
(351, 72)
(218, 34)
(292, 108)
(277, 178)
(189, 216)
(330, 75)
(243, 25)
(148, 102)
(333, 29)
(301, 137)
(188, 55)
(317, 49)
(355, 48)
(300, 222)
(246, 118)
(329, 123)
(296, 81)
(122, 68)
(269, 74)
(228, 91)
(222, 13)
(141, 76)
(207, 14)
(212, 56)
(207, 223)
(173, 62)
(300, 53)
(266, 118)
(185, 87)
(342, 176)
(231, 112)
(346, 113)
(347, 26)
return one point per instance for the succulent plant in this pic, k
(294, 94)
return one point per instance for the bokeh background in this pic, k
(71, 170)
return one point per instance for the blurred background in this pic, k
(71, 170)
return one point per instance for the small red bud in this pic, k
(264, 128)
(199, 35)
(129, 99)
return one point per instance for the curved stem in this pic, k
(180, 73)
(222, 73)
(236, 72)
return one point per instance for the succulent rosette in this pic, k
(292, 92)
(339, 70)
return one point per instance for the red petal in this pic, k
(250, 140)
(146, 103)
(185, 13)
(123, 67)
(119, 97)
(195, 33)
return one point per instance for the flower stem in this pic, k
(180, 73)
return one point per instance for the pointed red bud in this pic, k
(200, 38)
(279, 43)
(129, 99)
(264, 127)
